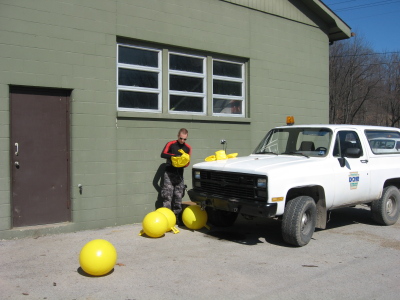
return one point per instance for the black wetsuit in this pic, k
(174, 185)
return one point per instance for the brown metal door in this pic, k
(39, 156)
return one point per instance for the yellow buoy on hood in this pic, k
(220, 155)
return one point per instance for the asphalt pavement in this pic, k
(352, 259)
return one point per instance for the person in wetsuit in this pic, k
(174, 185)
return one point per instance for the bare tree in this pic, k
(354, 80)
(391, 82)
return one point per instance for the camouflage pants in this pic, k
(172, 192)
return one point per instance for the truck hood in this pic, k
(256, 163)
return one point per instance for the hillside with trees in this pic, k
(364, 85)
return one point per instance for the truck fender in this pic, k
(318, 194)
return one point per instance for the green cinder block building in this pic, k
(91, 91)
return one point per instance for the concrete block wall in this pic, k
(5, 205)
(67, 45)
(140, 143)
(289, 74)
(72, 45)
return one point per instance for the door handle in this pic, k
(16, 164)
(16, 149)
(364, 161)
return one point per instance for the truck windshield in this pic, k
(310, 142)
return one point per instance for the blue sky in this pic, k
(377, 21)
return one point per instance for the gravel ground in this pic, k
(352, 259)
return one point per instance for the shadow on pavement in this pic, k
(350, 215)
(83, 273)
(249, 232)
(259, 230)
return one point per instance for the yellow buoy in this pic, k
(232, 155)
(194, 217)
(210, 158)
(171, 218)
(180, 161)
(220, 154)
(98, 257)
(155, 224)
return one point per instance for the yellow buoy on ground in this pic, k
(155, 224)
(98, 257)
(171, 218)
(194, 217)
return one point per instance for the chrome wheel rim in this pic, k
(305, 221)
(390, 206)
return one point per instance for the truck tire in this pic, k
(386, 210)
(220, 218)
(298, 222)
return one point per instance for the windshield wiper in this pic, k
(296, 153)
(267, 152)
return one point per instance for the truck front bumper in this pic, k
(247, 207)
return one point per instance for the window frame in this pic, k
(203, 76)
(164, 92)
(157, 70)
(241, 98)
(373, 135)
(338, 148)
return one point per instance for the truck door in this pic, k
(352, 181)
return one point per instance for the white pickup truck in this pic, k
(298, 173)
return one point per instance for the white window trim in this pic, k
(157, 70)
(189, 94)
(229, 97)
(163, 76)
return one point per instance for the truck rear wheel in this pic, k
(298, 222)
(386, 210)
(221, 218)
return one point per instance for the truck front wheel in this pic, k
(298, 222)
(386, 210)
(220, 218)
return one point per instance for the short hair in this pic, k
(183, 130)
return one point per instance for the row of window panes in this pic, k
(140, 77)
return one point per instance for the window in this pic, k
(187, 88)
(140, 73)
(384, 142)
(228, 88)
(313, 142)
(139, 79)
(345, 140)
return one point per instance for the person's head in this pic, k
(182, 135)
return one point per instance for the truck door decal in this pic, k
(354, 178)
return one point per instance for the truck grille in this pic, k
(230, 185)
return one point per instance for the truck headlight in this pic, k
(261, 182)
(197, 174)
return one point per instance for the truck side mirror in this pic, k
(342, 161)
(350, 153)
(353, 152)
